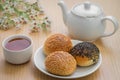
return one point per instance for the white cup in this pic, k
(19, 56)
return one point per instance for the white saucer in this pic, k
(39, 59)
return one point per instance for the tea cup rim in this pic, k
(17, 36)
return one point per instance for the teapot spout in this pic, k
(64, 10)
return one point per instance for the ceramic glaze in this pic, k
(86, 21)
(19, 55)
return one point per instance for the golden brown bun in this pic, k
(85, 53)
(83, 61)
(57, 42)
(60, 63)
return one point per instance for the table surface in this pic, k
(109, 46)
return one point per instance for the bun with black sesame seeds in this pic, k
(85, 53)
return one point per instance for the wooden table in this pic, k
(109, 46)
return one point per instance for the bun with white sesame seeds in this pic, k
(57, 42)
(60, 63)
(85, 53)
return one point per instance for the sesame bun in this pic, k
(60, 63)
(85, 53)
(57, 42)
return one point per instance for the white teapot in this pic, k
(86, 21)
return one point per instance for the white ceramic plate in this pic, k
(39, 59)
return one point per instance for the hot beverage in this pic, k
(17, 44)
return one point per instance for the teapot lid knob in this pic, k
(87, 5)
(87, 9)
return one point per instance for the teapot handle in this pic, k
(115, 23)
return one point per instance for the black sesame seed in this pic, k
(86, 49)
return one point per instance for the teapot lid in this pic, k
(87, 9)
